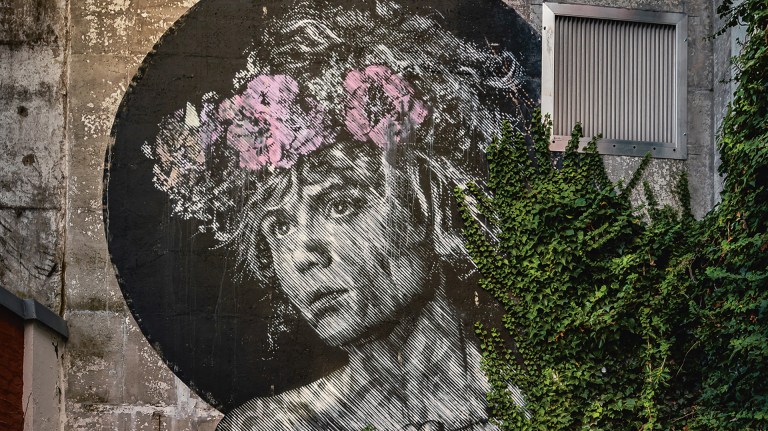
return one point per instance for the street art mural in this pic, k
(279, 205)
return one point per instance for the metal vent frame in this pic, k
(670, 150)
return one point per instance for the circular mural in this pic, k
(280, 213)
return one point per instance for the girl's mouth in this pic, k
(324, 301)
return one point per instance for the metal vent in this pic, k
(619, 73)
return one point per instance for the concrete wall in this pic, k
(114, 379)
(725, 47)
(43, 378)
(33, 105)
(64, 67)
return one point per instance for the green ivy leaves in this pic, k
(562, 252)
(620, 323)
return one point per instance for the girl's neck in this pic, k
(410, 341)
(426, 366)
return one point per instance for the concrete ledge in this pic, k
(31, 310)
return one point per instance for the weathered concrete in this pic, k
(114, 379)
(32, 147)
(25, 22)
(726, 46)
(64, 68)
(700, 163)
(43, 378)
(33, 106)
(31, 254)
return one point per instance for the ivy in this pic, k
(581, 277)
(627, 318)
(733, 263)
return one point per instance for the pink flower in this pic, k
(381, 106)
(271, 124)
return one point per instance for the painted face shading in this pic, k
(370, 135)
(342, 248)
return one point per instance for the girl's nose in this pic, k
(312, 253)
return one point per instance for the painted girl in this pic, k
(344, 141)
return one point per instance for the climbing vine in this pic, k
(732, 265)
(583, 282)
(628, 318)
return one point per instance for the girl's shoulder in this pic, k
(299, 409)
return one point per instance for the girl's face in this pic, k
(348, 255)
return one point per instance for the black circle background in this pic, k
(210, 327)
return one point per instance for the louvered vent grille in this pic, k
(620, 72)
(616, 77)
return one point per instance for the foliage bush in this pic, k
(623, 322)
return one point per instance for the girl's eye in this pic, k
(282, 228)
(340, 207)
(279, 228)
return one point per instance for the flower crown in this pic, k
(271, 124)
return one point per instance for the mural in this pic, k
(278, 201)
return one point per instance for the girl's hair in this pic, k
(469, 88)
(458, 92)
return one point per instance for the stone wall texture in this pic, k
(33, 51)
(64, 68)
